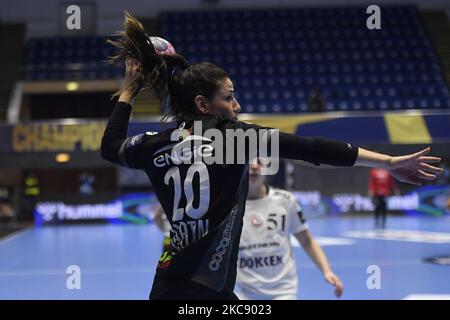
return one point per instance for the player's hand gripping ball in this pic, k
(162, 46)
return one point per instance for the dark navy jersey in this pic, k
(204, 202)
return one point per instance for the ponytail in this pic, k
(155, 70)
(158, 72)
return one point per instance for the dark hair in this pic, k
(178, 90)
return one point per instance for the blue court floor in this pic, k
(118, 261)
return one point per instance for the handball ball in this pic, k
(162, 46)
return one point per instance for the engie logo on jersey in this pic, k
(183, 152)
(198, 145)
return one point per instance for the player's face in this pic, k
(224, 104)
(255, 177)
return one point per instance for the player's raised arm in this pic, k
(117, 127)
(147, 66)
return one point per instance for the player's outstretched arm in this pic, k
(411, 168)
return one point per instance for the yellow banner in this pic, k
(57, 137)
(407, 129)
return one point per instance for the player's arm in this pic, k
(117, 126)
(316, 254)
(314, 150)
(412, 168)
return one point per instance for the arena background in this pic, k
(312, 68)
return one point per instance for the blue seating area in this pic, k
(276, 57)
(68, 58)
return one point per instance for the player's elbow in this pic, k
(105, 149)
(305, 239)
(306, 243)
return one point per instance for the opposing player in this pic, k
(266, 265)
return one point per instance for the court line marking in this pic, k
(326, 241)
(417, 236)
(426, 296)
(14, 235)
(61, 272)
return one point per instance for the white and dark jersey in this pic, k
(204, 203)
(266, 265)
